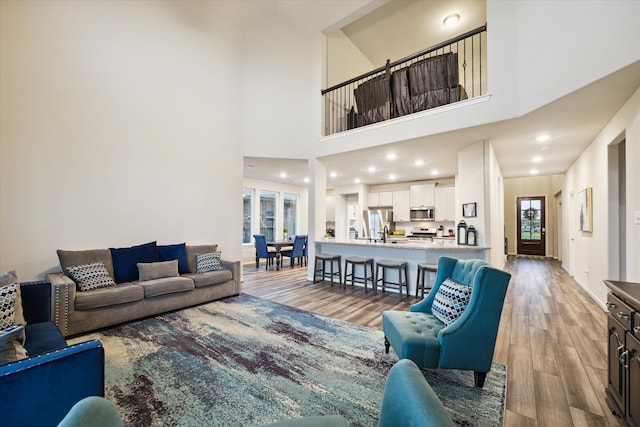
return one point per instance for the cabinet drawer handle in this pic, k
(636, 330)
(611, 305)
(622, 359)
(623, 316)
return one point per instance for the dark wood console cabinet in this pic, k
(623, 326)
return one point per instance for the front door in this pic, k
(531, 226)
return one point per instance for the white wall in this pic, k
(248, 250)
(281, 100)
(588, 257)
(116, 129)
(344, 60)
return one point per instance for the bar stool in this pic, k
(423, 270)
(324, 274)
(364, 262)
(385, 265)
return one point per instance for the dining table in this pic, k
(278, 245)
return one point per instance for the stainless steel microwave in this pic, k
(422, 214)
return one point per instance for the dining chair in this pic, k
(297, 251)
(263, 251)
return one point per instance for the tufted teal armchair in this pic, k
(469, 341)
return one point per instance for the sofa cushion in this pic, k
(8, 278)
(11, 345)
(157, 270)
(168, 285)
(91, 276)
(74, 258)
(43, 337)
(202, 280)
(125, 260)
(413, 335)
(194, 251)
(104, 297)
(208, 262)
(177, 251)
(450, 301)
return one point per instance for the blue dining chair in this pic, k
(262, 251)
(297, 251)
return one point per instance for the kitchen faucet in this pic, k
(385, 230)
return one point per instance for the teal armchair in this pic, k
(469, 341)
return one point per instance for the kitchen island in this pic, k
(411, 251)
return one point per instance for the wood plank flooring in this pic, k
(552, 336)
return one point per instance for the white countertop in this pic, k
(442, 245)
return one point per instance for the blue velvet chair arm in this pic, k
(39, 391)
(470, 340)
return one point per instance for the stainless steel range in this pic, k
(423, 233)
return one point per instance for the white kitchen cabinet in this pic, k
(401, 206)
(383, 198)
(422, 196)
(331, 208)
(445, 204)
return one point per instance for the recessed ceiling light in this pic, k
(435, 171)
(533, 172)
(306, 179)
(536, 159)
(283, 174)
(391, 156)
(392, 177)
(419, 162)
(542, 137)
(333, 174)
(451, 20)
(371, 169)
(357, 180)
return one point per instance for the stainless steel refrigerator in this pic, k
(374, 221)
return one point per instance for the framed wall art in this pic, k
(585, 214)
(469, 210)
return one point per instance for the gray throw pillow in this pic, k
(91, 276)
(208, 262)
(157, 270)
(12, 345)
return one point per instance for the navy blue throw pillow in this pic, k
(125, 260)
(177, 251)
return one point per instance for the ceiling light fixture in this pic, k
(533, 171)
(451, 20)
(392, 177)
(333, 174)
(306, 179)
(434, 171)
(357, 180)
(371, 169)
(419, 162)
(283, 174)
(536, 159)
(542, 137)
(391, 156)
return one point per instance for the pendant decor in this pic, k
(462, 233)
(472, 236)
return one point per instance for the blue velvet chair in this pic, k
(297, 251)
(262, 251)
(469, 341)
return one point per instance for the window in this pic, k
(290, 220)
(247, 214)
(268, 203)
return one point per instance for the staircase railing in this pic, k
(448, 72)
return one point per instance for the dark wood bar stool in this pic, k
(385, 265)
(353, 261)
(423, 271)
(324, 274)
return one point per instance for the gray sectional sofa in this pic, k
(144, 280)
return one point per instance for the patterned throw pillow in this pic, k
(208, 262)
(8, 296)
(91, 276)
(450, 301)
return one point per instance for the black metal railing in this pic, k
(448, 72)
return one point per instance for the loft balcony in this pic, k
(449, 72)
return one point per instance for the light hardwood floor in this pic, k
(552, 336)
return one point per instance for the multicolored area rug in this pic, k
(245, 360)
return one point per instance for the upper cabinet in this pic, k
(445, 204)
(331, 208)
(401, 206)
(422, 196)
(384, 198)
